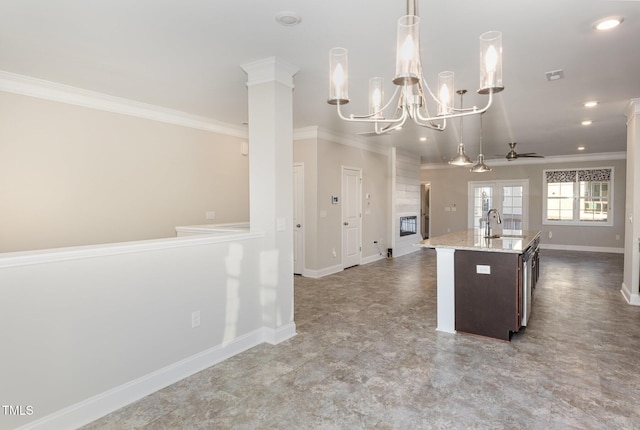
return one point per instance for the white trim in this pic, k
(403, 250)
(344, 208)
(633, 109)
(446, 290)
(274, 336)
(315, 132)
(576, 197)
(631, 298)
(104, 403)
(607, 249)
(601, 156)
(498, 186)
(39, 88)
(24, 258)
(373, 258)
(319, 273)
(303, 216)
(270, 70)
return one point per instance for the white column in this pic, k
(631, 281)
(446, 282)
(270, 89)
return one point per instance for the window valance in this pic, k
(578, 175)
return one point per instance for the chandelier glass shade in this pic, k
(411, 90)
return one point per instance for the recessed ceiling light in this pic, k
(590, 104)
(423, 139)
(580, 148)
(288, 19)
(608, 23)
(586, 122)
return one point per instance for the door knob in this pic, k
(346, 223)
(298, 225)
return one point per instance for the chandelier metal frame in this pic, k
(412, 88)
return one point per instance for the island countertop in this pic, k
(474, 240)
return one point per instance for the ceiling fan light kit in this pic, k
(513, 155)
(411, 87)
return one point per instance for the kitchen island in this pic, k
(485, 285)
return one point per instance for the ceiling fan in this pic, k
(512, 154)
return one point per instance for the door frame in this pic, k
(359, 217)
(299, 270)
(423, 200)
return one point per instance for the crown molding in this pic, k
(601, 156)
(316, 132)
(39, 88)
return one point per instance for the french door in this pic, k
(510, 198)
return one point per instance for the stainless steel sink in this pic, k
(505, 236)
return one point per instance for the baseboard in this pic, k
(631, 298)
(608, 249)
(322, 272)
(98, 406)
(275, 336)
(372, 258)
(399, 252)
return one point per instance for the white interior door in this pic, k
(351, 216)
(298, 219)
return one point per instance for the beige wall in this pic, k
(71, 175)
(449, 187)
(323, 161)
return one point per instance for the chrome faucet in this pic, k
(487, 226)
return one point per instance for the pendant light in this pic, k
(461, 158)
(480, 167)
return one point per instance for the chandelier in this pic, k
(411, 87)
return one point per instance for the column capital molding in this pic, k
(270, 70)
(633, 108)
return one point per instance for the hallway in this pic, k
(367, 356)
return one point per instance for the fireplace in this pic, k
(408, 225)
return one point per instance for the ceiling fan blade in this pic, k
(531, 155)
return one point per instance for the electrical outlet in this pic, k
(210, 215)
(195, 319)
(550, 234)
(333, 252)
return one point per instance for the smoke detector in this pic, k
(554, 75)
(288, 19)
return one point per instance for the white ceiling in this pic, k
(186, 55)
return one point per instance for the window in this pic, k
(508, 197)
(578, 196)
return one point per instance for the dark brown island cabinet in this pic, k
(493, 281)
(491, 304)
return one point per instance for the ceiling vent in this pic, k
(554, 75)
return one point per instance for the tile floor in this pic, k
(367, 356)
